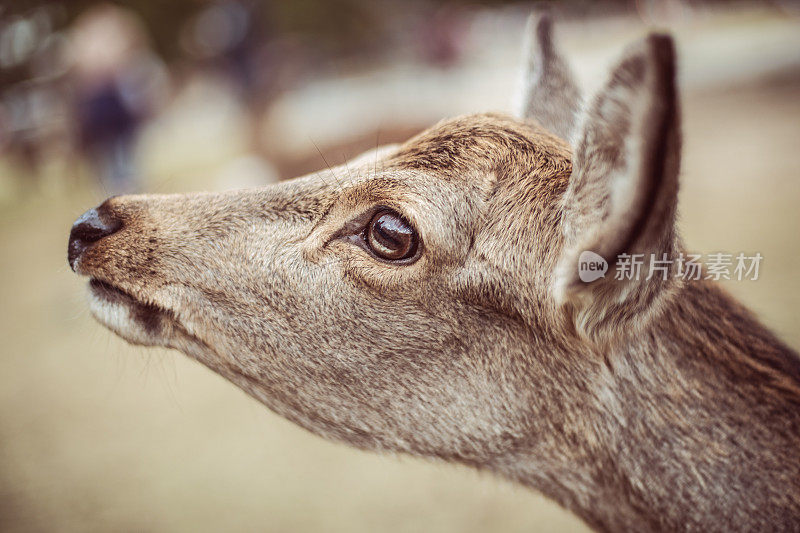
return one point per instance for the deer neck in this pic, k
(695, 423)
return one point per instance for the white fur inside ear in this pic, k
(567, 284)
(546, 90)
(607, 207)
(530, 68)
(627, 183)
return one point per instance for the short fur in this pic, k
(648, 406)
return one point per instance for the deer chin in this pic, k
(135, 321)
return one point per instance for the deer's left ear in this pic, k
(622, 194)
(548, 92)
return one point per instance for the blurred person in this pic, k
(227, 34)
(118, 81)
(235, 39)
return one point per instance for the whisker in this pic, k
(333, 175)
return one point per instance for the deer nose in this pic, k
(90, 227)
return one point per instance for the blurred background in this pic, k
(160, 96)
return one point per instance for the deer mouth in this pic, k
(136, 321)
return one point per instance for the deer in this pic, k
(424, 298)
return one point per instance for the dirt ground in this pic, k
(96, 435)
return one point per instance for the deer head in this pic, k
(425, 298)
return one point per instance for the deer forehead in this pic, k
(498, 168)
(487, 142)
(452, 181)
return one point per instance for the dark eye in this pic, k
(390, 237)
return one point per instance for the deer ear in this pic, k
(622, 194)
(548, 93)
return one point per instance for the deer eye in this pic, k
(390, 236)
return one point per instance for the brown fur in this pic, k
(647, 406)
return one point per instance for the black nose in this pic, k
(90, 227)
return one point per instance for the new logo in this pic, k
(591, 266)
